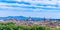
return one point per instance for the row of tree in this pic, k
(12, 26)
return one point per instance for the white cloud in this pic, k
(29, 7)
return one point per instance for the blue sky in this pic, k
(33, 8)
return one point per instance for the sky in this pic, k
(30, 8)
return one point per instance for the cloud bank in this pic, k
(30, 4)
(47, 8)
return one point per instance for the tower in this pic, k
(44, 19)
(29, 19)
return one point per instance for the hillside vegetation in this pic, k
(12, 26)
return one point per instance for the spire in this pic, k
(44, 19)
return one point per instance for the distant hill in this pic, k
(23, 18)
(20, 17)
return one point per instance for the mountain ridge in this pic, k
(24, 18)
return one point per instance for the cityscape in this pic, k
(29, 14)
(29, 21)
